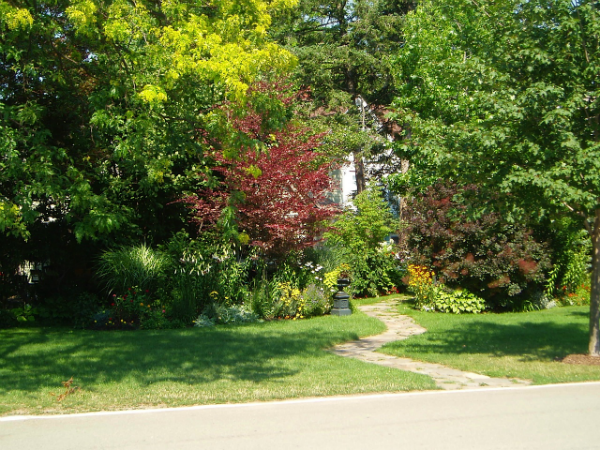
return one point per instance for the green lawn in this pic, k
(121, 370)
(522, 345)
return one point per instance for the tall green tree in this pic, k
(343, 50)
(506, 94)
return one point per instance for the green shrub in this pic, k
(361, 233)
(375, 271)
(326, 255)
(202, 272)
(264, 298)
(203, 321)
(24, 314)
(572, 262)
(458, 302)
(271, 299)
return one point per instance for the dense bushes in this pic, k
(499, 261)
(362, 232)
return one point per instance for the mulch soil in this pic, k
(582, 359)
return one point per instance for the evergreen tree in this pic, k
(344, 50)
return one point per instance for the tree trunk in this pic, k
(359, 172)
(595, 289)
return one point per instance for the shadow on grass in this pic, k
(33, 358)
(530, 341)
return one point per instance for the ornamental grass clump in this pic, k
(138, 265)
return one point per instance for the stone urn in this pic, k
(341, 306)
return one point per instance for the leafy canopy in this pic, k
(105, 105)
(505, 94)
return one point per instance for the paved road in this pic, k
(557, 417)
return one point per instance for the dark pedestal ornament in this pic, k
(341, 307)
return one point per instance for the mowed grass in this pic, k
(118, 370)
(522, 345)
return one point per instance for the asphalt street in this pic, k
(552, 417)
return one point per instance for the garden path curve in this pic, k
(401, 327)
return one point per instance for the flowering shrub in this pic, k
(226, 315)
(291, 303)
(422, 285)
(132, 310)
(316, 301)
(579, 296)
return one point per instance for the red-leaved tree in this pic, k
(276, 196)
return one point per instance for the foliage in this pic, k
(203, 271)
(132, 310)
(226, 315)
(578, 296)
(377, 271)
(203, 321)
(571, 255)
(24, 314)
(331, 278)
(107, 114)
(366, 225)
(326, 255)
(361, 233)
(71, 67)
(500, 261)
(290, 304)
(317, 301)
(458, 302)
(74, 308)
(264, 298)
(272, 299)
(421, 284)
(273, 194)
(344, 51)
(504, 94)
(138, 265)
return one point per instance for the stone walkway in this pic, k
(402, 327)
